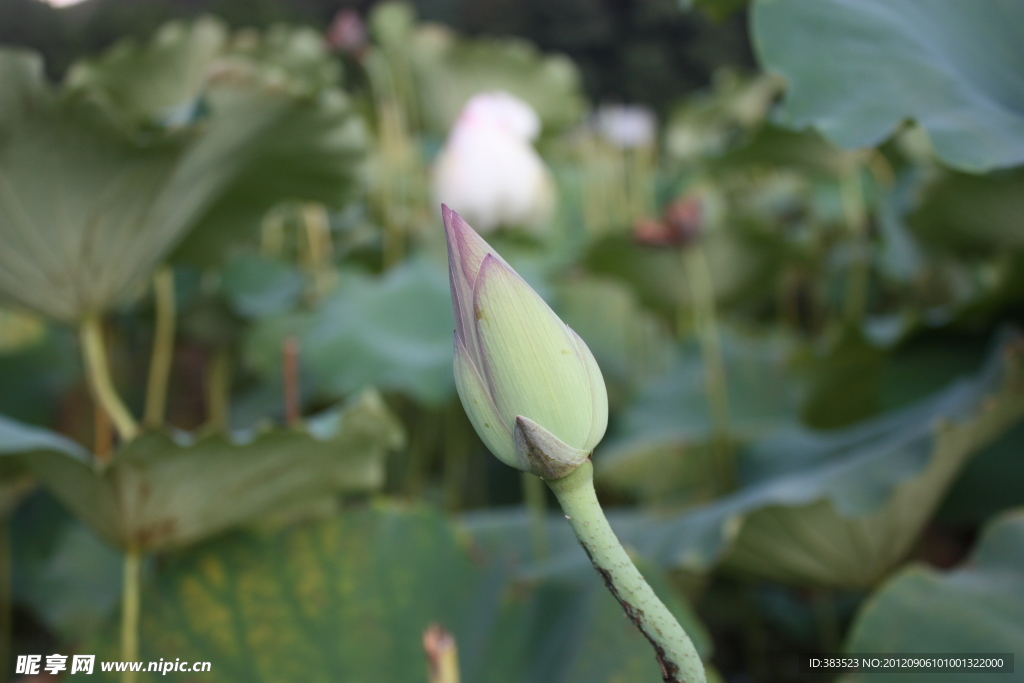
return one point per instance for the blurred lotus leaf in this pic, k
(989, 484)
(976, 608)
(162, 491)
(65, 573)
(709, 124)
(392, 331)
(270, 608)
(451, 70)
(772, 147)
(447, 70)
(842, 508)
(257, 286)
(739, 264)
(659, 445)
(857, 69)
(101, 179)
(629, 343)
(964, 212)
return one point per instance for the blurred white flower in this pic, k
(626, 126)
(489, 171)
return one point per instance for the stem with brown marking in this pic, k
(674, 650)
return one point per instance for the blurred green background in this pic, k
(790, 231)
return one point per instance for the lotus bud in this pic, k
(529, 384)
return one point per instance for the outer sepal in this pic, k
(542, 453)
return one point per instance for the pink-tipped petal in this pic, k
(466, 252)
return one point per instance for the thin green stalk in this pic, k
(852, 194)
(536, 508)
(290, 380)
(705, 321)
(98, 375)
(163, 348)
(674, 650)
(218, 389)
(130, 610)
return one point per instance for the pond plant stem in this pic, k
(130, 610)
(218, 389)
(674, 650)
(705, 323)
(852, 194)
(163, 348)
(101, 385)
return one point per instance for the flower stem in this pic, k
(100, 384)
(163, 348)
(290, 379)
(130, 604)
(706, 324)
(675, 652)
(852, 193)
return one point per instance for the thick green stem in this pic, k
(705, 320)
(130, 609)
(100, 384)
(536, 507)
(679, 660)
(163, 348)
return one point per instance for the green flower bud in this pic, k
(529, 384)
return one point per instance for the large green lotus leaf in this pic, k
(158, 82)
(348, 599)
(450, 70)
(978, 608)
(90, 203)
(857, 69)
(989, 484)
(968, 212)
(659, 445)
(392, 331)
(162, 491)
(837, 508)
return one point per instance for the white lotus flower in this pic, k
(489, 171)
(626, 126)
